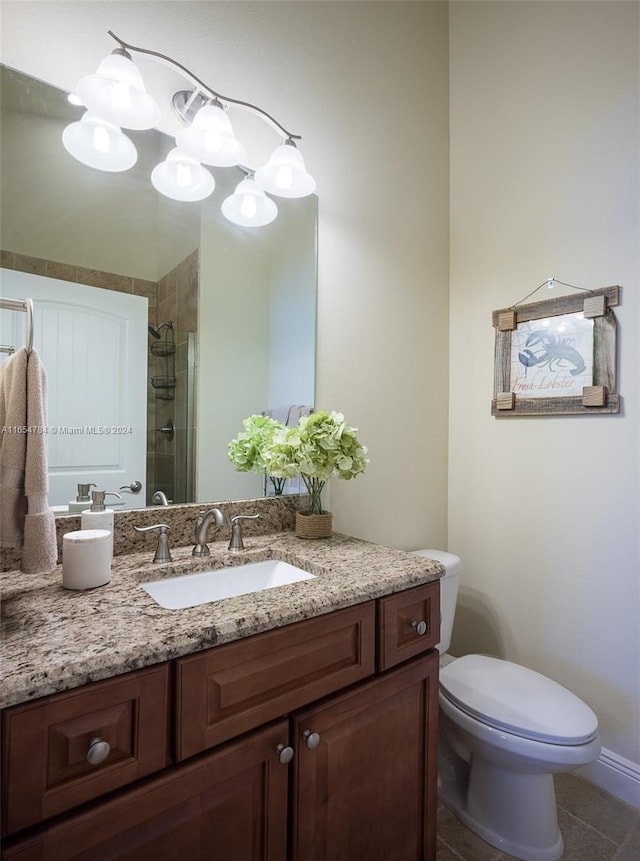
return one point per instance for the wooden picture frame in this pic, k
(530, 358)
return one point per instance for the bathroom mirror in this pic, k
(234, 307)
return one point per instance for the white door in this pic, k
(93, 346)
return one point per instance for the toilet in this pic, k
(504, 731)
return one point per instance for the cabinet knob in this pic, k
(98, 751)
(311, 739)
(419, 627)
(285, 754)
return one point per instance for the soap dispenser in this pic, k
(82, 501)
(98, 516)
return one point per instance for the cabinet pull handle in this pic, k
(98, 751)
(285, 754)
(419, 627)
(311, 739)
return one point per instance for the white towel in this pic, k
(25, 517)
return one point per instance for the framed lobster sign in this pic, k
(557, 357)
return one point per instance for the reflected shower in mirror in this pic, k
(234, 307)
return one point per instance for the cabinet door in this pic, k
(366, 770)
(230, 805)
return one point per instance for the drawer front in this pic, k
(233, 688)
(53, 750)
(408, 624)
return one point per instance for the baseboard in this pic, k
(616, 775)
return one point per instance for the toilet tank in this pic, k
(448, 592)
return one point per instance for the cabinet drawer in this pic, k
(402, 618)
(233, 688)
(45, 744)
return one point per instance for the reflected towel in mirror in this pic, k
(25, 517)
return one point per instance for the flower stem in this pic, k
(278, 485)
(314, 487)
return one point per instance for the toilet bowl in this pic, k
(504, 731)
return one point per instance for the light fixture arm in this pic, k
(214, 95)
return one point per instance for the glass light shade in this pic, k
(99, 144)
(116, 92)
(210, 139)
(182, 178)
(249, 206)
(285, 174)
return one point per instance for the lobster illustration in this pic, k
(557, 353)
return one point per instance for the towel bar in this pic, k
(19, 305)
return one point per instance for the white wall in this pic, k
(292, 305)
(233, 371)
(544, 181)
(256, 330)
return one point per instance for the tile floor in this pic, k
(595, 827)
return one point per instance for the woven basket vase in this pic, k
(314, 525)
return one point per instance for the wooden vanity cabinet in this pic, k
(362, 779)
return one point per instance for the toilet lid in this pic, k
(518, 700)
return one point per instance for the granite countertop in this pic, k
(54, 639)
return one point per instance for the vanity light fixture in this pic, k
(285, 173)
(182, 178)
(210, 137)
(249, 206)
(100, 144)
(116, 98)
(116, 93)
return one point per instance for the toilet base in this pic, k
(513, 811)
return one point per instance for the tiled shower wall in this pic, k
(170, 464)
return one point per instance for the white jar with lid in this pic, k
(86, 558)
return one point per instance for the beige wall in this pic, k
(383, 261)
(544, 511)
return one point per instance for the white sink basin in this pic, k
(190, 590)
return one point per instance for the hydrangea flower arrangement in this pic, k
(322, 446)
(247, 450)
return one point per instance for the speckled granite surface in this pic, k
(276, 515)
(53, 639)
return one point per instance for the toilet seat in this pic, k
(517, 700)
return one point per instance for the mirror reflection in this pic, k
(229, 312)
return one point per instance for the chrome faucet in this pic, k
(159, 498)
(202, 525)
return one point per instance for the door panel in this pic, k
(93, 346)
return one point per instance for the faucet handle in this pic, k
(163, 553)
(236, 542)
